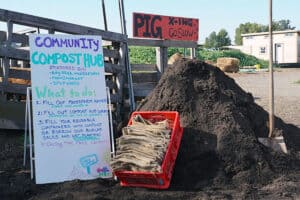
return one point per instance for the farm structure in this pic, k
(15, 65)
(286, 45)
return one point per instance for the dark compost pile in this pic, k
(219, 157)
(221, 125)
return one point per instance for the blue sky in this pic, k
(212, 14)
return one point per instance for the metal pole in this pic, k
(110, 124)
(271, 86)
(25, 131)
(127, 63)
(30, 131)
(121, 16)
(104, 15)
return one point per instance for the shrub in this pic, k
(146, 55)
(142, 55)
(245, 59)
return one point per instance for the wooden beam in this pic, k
(111, 53)
(143, 67)
(21, 54)
(18, 73)
(2, 36)
(113, 68)
(161, 43)
(13, 88)
(21, 89)
(22, 73)
(55, 25)
(13, 53)
(145, 77)
(143, 89)
(24, 40)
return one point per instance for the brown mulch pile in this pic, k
(221, 125)
(219, 157)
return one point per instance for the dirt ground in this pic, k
(15, 180)
(286, 91)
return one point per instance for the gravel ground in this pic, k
(286, 91)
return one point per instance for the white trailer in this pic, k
(286, 46)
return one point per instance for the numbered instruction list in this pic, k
(70, 116)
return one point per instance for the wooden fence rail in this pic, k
(15, 64)
(145, 77)
(14, 58)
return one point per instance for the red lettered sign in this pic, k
(165, 27)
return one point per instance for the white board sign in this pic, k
(70, 117)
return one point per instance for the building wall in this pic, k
(287, 47)
(298, 49)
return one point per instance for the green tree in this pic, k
(211, 40)
(248, 28)
(215, 40)
(256, 28)
(284, 24)
(223, 38)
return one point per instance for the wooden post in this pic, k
(6, 60)
(161, 59)
(126, 53)
(3, 38)
(271, 83)
(5, 71)
(125, 79)
(193, 53)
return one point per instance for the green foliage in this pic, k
(245, 60)
(142, 55)
(256, 28)
(223, 38)
(281, 25)
(215, 40)
(211, 40)
(248, 28)
(146, 55)
(173, 50)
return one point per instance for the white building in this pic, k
(286, 46)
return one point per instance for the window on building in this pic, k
(262, 50)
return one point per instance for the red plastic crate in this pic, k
(157, 180)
